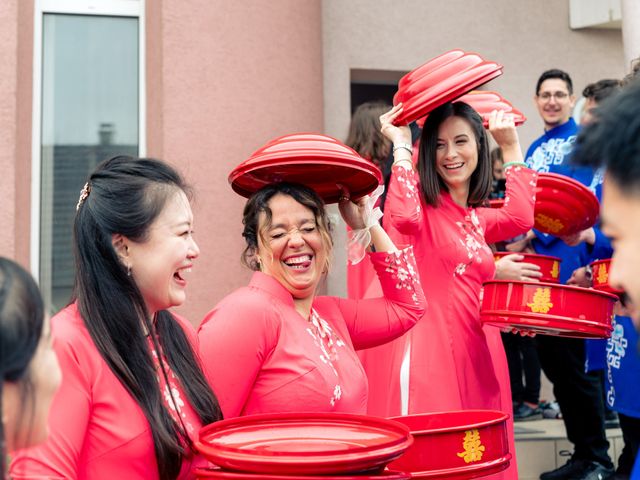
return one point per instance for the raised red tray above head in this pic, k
(304, 443)
(485, 102)
(317, 161)
(440, 80)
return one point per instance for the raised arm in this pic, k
(375, 321)
(403, 207)
(516, 216)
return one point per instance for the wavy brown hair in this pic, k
(364, 133)
(259, 204)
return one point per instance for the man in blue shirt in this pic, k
(613, 140)
(578, 394)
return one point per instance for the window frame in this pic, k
(112, 8)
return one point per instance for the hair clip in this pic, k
(84, 193)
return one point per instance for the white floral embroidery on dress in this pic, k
(328, 342)
(337, 394)
(409, 187)
(472, 240)
(173, 399)
(400, 266)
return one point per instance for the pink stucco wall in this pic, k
(223, 79)
(8, 108)
(16, 52)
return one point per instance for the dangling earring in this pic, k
(128, 270)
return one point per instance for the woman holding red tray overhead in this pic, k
(274, 346)
(449, 362)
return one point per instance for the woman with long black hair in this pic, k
(133, 395)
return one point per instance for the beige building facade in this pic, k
(210, 81)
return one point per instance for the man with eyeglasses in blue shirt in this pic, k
(578, 393)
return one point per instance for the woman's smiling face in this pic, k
(291, 247)
(161, 263)
(456, 152)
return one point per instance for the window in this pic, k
(89, 109)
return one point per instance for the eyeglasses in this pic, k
(546, 96)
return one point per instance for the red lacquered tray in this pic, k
(459, 444)
(600, 276)
(204, 473)
(563, 206)
(304, 443)
(318, 161)
(547, 308)
(430, 65)
(485, 102)
(443, 79)
(549, 266)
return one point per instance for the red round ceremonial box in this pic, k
(547, 308)
(440, 80)
(455, 445)
(299, 444)
(317, 161)
(600, 276)
(563, 206)
(549, 266)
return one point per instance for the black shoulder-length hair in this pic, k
(431, 184)
(126, 195)
(21, 321)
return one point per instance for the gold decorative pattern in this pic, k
(541, 301)
(472, 445)
(551, 225)
(603, 275)
(555, 269)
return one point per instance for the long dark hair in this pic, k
(125, 196)
(21, 320)
(259, 203)
(431, 183)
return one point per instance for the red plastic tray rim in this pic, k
(404, 435)
(333, 159)
(433, 63)
(603, 286)
(544, 177)
(500, 417)
(456, 472)
(555, 287)
(485, 101)
(528, 255)
(587, 324)
(412, 112)
(221, 473)
(426, 84)
(478, 73)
